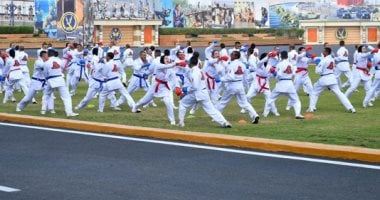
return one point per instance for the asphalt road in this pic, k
(46, 164)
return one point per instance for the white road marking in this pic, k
(8, 189)
(246, 152)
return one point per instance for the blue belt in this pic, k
(81, 71)
(142, 78)
(116, 59)
(100, 82)
(111, 79)
(285, 79)
(50, 77)
(2, 78)
(341, 61)
(236, 80)
(43, 81)
(377, 67)
(326, 74)
(181, 77)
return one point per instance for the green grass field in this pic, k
(331, 123)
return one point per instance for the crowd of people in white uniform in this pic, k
(240, 72)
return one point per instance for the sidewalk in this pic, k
(305, 148)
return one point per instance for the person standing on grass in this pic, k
(120, 67)
(38, 83)
(214, 67)
(342, 65)
(325, 68)
(160, 87)
(128, 56)
(261, 84)
(362, 74)
(303, 59)
(13, 75)
(110, 71)
(2, 77)
(285, 72)
(96, 82)
(79, 69)
(54, 80)
(233, 80)
(195, 92)
(371, 94)
(139, 79)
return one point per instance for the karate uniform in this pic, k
(96, 83)
(261, 84)
(376, 82)
(54, 78)
(301, 74)
(38, 83)
(327, 80)
(362, 74)
(13, 75)
(233, 80)
(110, 71)
(197, 94)
(128, 58)
(284, 86)
(160, 88)
(343, 66)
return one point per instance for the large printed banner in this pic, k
(64, 18)
(46, 18)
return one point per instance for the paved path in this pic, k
(51, 164)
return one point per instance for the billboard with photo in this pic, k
(46, 18)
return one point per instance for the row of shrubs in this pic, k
(16, 29)
(291, 32)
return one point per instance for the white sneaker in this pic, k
(116, 108)
(146, 106)
(99, 111)
(175, 107)
(181, 124)
(76, 108)
(242, 111)
(52, 111)
(172, 123)
(287, 108)
(72, 114)
(352, 110)
(18, 109)
(276, 114)
(310, 110)
(300, 117)
(154, 104)
(43, 112)
(13, 99)
(370, 104)
(192, 112)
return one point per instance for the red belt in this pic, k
(161, 82)
(262, 86)
(208, 82)
(365, 70)
(300, 69)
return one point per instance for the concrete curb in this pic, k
(306, 148)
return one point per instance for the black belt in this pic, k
(326, 74)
